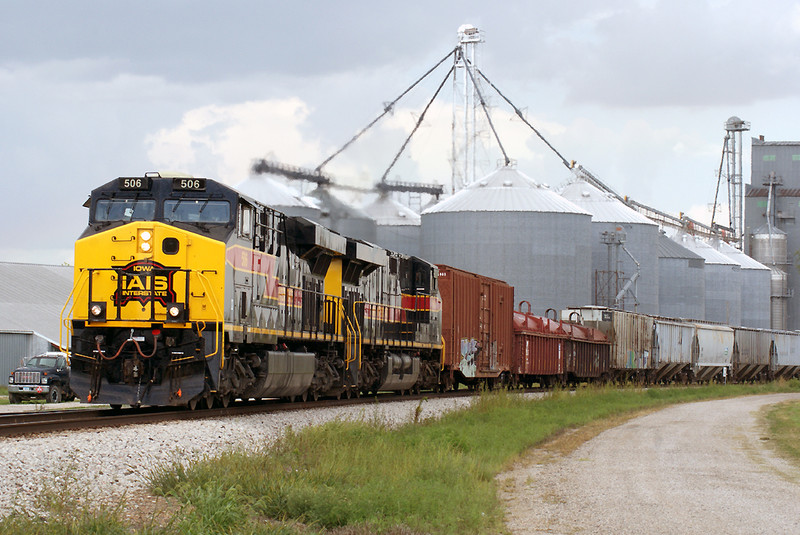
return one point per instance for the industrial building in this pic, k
(772, 235)
(31, 299)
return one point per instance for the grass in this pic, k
(349, 478)
(783, 421)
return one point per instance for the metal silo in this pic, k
(508, 227)
(756, 281)
(278, 196)
(342, 217)
(681, 281)
(397, 227)
(723, 281)
(769, 246)
(624, 250)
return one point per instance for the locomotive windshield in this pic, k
(125, 210)
(197, 211)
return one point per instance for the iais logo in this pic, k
(145, 281)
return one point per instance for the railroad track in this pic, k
(28, 423)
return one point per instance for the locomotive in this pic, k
(188, 292)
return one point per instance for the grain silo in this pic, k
(397, 227)
(723, 281)
(756, 281)
(278, 196)
(681, 281)
(624, 250)
(342, 217)
(509, 227)
(768, 245)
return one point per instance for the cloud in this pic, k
(222, 141)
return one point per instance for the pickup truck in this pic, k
(44, 376)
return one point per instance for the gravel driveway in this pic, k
(694, 468)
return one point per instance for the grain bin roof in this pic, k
(668, 248)
(738, 256)
(699, 246)
(605, 208)
(32, 296)
(506, 190)
(387, 212)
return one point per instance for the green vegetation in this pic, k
(359, 478)
(783, 421)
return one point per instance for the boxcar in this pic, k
(477, 329)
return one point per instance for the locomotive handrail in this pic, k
(65, 322)
(352, 333)
(220, 329)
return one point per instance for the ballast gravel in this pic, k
(113, 463)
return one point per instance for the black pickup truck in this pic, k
(44, 376)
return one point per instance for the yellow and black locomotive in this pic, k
(189, 292)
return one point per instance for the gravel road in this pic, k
(703, 468)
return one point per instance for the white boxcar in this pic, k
(672, 348)
(712, 351)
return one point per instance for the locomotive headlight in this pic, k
(145, 243)
(176, 312)
(97, 311)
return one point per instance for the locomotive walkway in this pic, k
(702, 468)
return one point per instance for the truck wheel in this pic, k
(13, 399)
(55, 394)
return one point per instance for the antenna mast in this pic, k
(466, 100)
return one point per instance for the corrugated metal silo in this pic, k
(508, 227)
(398, 227)
(723, 281)
(343, 217)
(278, 196)
(681, 281)
(756, 282)
(769, 246)
(612, 268)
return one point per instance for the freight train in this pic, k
(187, 292)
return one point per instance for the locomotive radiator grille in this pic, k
(27, 377)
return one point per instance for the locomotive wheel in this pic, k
(314, 396)
(192, 404)
(304, 396)
(225, 400)
(209, 401)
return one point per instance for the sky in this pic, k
(638, 92)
